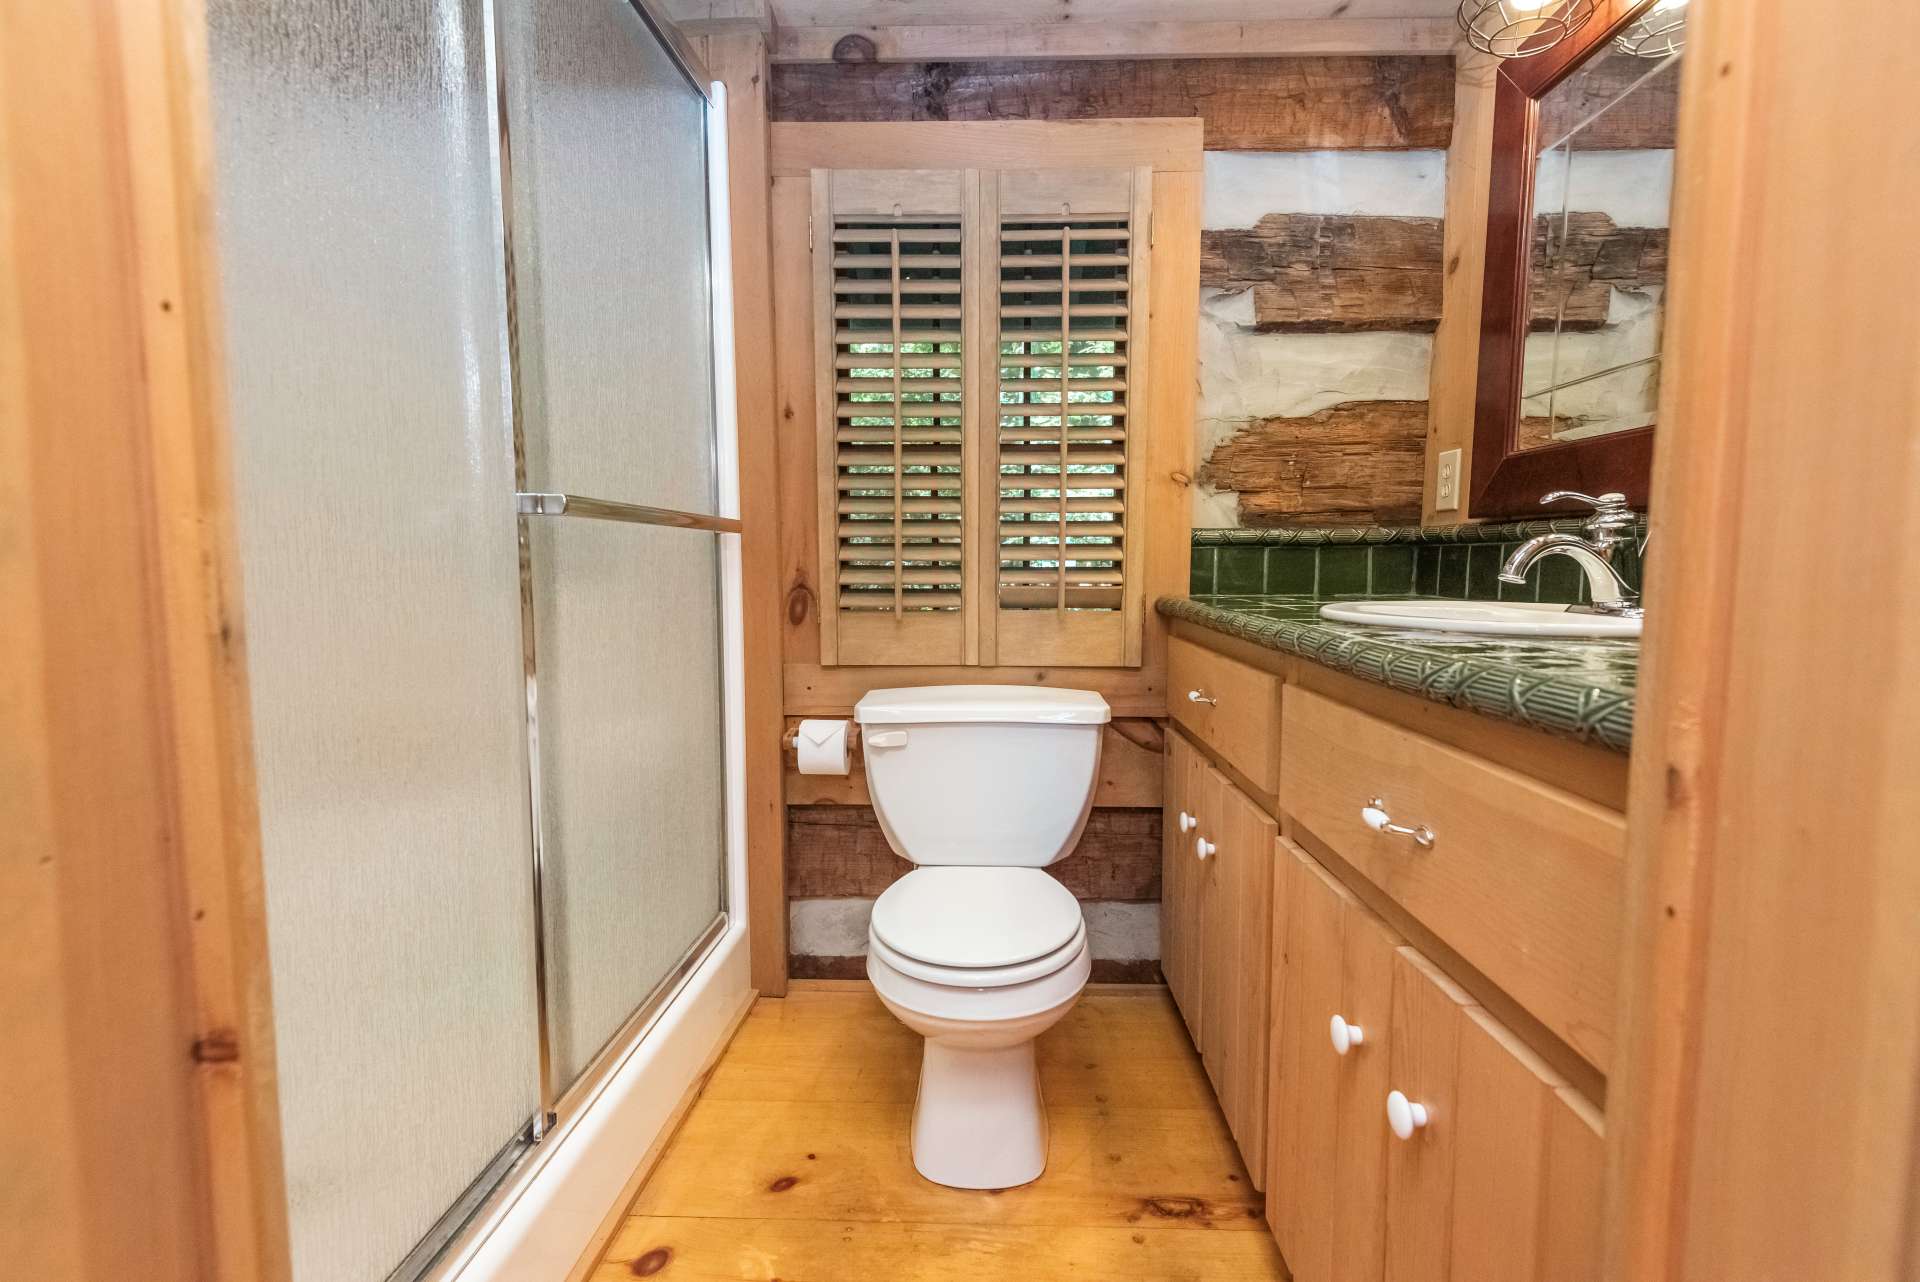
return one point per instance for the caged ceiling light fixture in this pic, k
(1521, 28)
(1660, 32)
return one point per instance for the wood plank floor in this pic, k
(794, 1162)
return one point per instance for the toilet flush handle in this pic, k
(887, 739)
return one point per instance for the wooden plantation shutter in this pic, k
(1071, 262)
(889, 255)
(980, 358)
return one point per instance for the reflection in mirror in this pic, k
(1601, 189)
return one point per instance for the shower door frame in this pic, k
(462, 1231)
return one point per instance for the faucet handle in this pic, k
(1612, 520)
(1604, 504)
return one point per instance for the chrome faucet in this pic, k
(1611, 524)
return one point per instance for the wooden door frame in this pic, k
(133, 958)
(1765, 1104)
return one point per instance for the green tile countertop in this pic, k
(1579, 688)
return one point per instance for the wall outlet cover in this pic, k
(1446, 484)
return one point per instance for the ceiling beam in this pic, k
(1279, 37)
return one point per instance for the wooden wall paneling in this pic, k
(1026, 37)
(1359, 460)
(739, 60)
(803, 596)
(1504, 1099)
(1165, 144)
(1455, 375)
(837, 852)
(1423, 1048)
(1773, 888)
(1247, 104)
(133, 954)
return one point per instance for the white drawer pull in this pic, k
(1202, 847)
(1374, 815)
(1404, 1116)
(1188, 822)
(1201, 696)
(1345, 1036)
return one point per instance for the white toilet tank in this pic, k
(981, 774)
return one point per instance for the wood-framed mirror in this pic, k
(1580, 185)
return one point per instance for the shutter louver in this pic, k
(1064, 328)
(898, 429)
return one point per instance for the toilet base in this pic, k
(979, 1122)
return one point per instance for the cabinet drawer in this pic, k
(1242, 723)
(1523, 881)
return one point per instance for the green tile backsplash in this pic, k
(1458, 562)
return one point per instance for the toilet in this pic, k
(977, 949)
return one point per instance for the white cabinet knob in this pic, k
(1188, 822)
(1201, 696)
(1404, 1116)
(1202, 847)
(1345, 1036)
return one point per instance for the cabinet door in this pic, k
(1570, 1200)
(1503, 1101)
(1244, 879)
(1326, 1165)
(1175, 845)
(1423, 1047)
(1219, 931)
(1193, 872)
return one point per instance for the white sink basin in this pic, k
(1497, 618)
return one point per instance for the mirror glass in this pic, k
(1596, 281)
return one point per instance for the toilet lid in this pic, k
(968, 916)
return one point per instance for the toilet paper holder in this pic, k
(788, 739)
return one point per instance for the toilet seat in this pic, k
(979, 976)
(977, 918)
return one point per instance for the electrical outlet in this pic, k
(1446, 485)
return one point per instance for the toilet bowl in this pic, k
(978, 950)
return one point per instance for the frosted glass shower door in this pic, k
(608, 201)
(361, 283)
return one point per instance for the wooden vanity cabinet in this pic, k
(1512, 905)
(1216, 929)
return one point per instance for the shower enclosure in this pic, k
(481, 413)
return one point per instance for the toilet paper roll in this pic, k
(822, 747)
